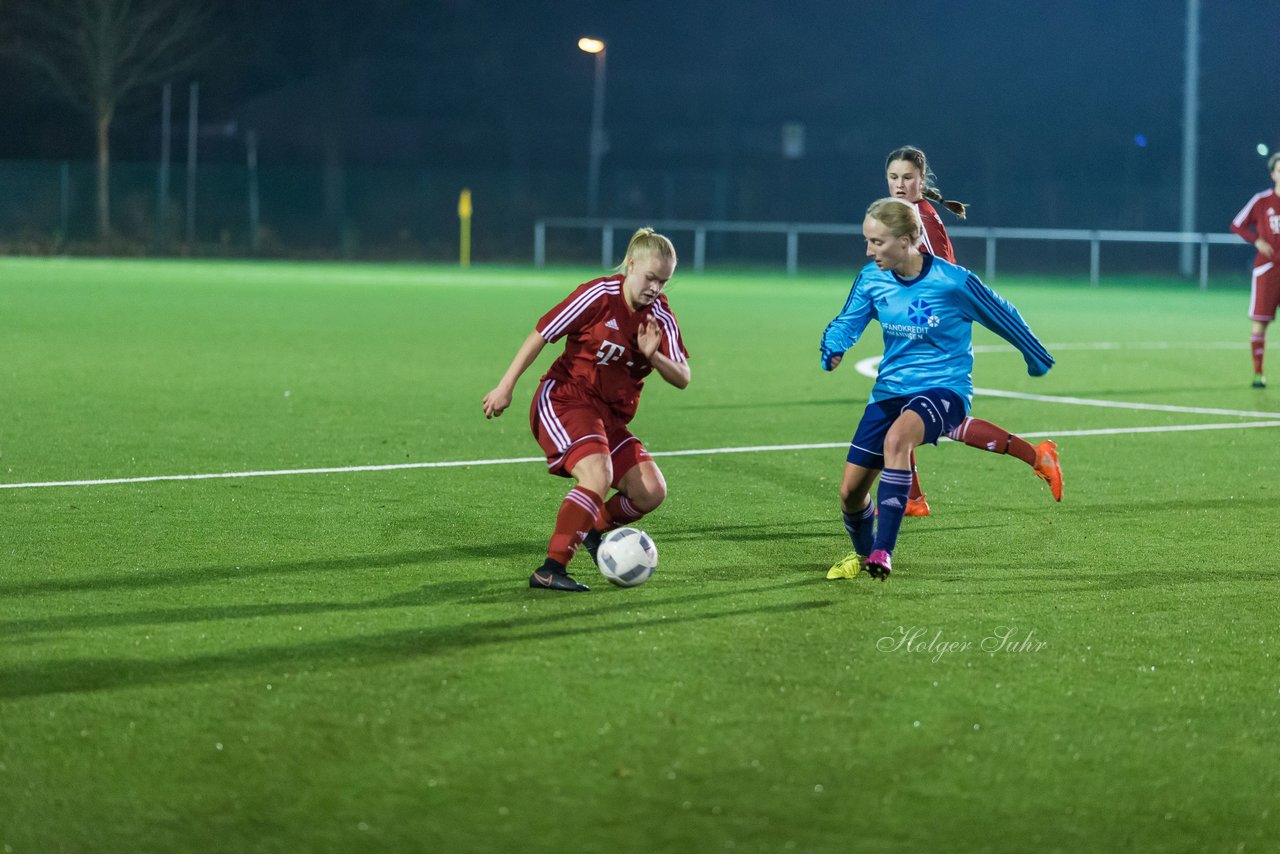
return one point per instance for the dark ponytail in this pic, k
(960, 209)
(915, 156)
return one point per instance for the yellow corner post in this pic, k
(464, 221)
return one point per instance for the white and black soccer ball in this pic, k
(627, 557)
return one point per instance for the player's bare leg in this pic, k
(895, 483)
(640, 491)
(859, 513)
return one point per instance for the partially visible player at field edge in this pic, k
(1259, 223)
(926, 308)
(617, 329)
(909, 178)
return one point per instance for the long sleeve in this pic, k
(1244, 224)
(991, 310)
(843, 332)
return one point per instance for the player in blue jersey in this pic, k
(910, 179)
(926, 308)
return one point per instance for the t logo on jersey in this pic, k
(609, 352)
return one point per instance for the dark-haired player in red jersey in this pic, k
(617, 329)
(907, 172)
(1259, 223)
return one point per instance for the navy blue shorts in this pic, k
(941, 409)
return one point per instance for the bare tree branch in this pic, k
(98, 53)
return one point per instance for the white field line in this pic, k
(748, 449)
(870, 365)
(1115, 404)
(866, 367)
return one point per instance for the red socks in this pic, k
(916, 492)
(618, 511)
(1257, 344)
(577, 513)
(977, 433)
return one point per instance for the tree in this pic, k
(100, 54)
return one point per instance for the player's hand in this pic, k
(496, 402)
(1264, 248)
(830, 360)
(649, 337)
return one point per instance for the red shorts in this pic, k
(569, 426)
(1264, 295)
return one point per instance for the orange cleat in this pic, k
(1047, 467)
(917, 507)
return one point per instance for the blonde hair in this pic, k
(898, 215)
(916, 157)
(1271, 161)
(650, 242)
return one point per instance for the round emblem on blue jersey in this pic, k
(918, 312)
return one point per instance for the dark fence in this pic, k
(412, 214)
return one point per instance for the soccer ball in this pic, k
(627, 557)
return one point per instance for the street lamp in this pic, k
(597, 144)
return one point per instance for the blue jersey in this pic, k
(928, 328)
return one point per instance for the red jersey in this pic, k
(933, 234)
(1260, 218)
(601, 352)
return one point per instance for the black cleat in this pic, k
(1259, 381)
(551, 576)
(592, 543)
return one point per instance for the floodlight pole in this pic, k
(597, 143)
(193, 130)
(251, 161)
(1190, 109)
(162, 189)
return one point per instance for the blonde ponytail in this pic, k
(650, 242)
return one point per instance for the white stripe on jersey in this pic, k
(670, 330)
(924, 232)
(1244, 211)
(574, 309)
(548, 417)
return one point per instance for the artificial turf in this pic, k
(352, 660)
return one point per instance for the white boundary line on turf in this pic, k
(1115, 404)
(869, 367)
(1105, 431)
(866, 367)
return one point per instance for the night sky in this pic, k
(1045, 114)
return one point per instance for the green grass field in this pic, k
(351, 661)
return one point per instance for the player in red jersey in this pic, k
(908, 175)
(617, 329)
(1259, 223)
